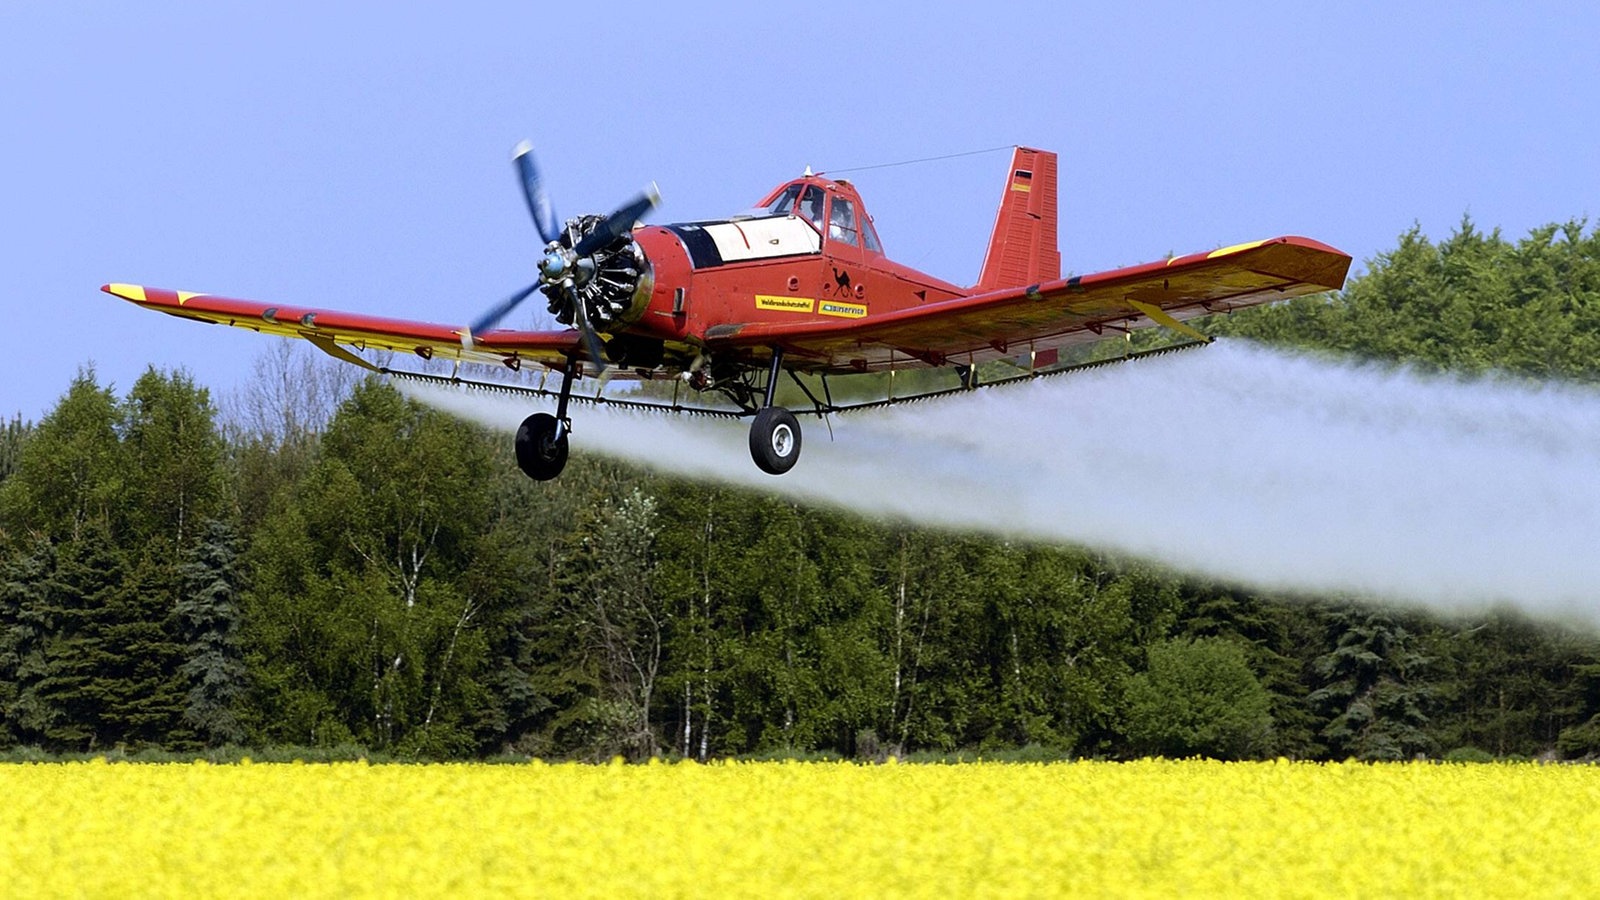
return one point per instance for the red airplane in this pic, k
(799, 285)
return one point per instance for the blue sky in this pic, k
(358, 157)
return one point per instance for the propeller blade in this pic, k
(618, 223)
(591, 341)
(492, 318)
(544, 215)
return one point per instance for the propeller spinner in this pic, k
(569, 262)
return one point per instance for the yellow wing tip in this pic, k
(138, 293)
(134, 292)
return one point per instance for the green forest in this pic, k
(333, 566)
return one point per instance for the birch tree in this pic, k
(608, 587)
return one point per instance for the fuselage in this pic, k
(807, 252)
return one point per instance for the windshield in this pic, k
(783, 204)
(869, 236)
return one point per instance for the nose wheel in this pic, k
(775, 440)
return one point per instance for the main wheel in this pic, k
(540, 453)
(775, 440)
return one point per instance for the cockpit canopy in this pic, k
(833, 212)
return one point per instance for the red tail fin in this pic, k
(1022, 249)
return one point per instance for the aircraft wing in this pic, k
(1037, 320)
(334, 331)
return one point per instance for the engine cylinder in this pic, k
(615, 291)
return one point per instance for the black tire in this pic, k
(775, 440)
(540, 454)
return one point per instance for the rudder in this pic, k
(1022, 249)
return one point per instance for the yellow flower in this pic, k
(1147, 828)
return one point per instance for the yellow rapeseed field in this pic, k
(799, 829)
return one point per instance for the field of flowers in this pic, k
(799, 829)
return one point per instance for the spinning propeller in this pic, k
(564, 268)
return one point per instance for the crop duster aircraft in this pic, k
(797, 285)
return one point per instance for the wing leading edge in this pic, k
(332, 330)
(1042, 318)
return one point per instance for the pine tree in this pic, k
(1372, 688)
(1582, 738)
(143, 684)
(1506, 682)
(24, 629)
(209, 615)
(74, 690)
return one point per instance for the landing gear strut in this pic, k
(542, 439)
(775, 433)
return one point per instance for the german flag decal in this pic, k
(1022, 180)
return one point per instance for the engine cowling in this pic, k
(614, 283)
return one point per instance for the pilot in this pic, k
(841, 222)
(811, 206)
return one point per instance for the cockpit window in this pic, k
(783, 205)
(842, 222)
(869, 236)
(811, 205)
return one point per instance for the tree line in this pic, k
(331, 565)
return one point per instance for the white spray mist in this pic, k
(1235, 461)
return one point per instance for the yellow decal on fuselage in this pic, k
(843, 310)
(785, 304)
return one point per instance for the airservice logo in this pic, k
(843, 310)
